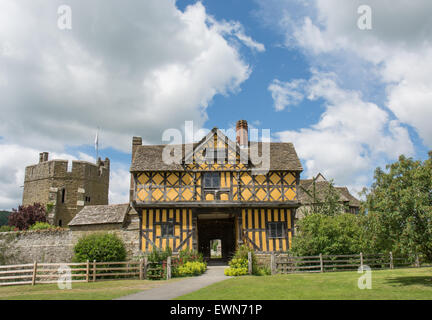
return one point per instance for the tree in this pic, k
(399, 207)
(102, 247)
(26, 216)
(333, 235)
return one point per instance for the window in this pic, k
(63, 196)
(211, 180)
(275, 229)
(87, 199)
(215, 155)
(167, 229)
(60, 223)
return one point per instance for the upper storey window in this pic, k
(211, 180)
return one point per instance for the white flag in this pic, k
(97, 140)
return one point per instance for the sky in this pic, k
(350, 98)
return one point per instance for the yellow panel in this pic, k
(224, 197)
(276, 215)
(190, 219)
(164, 215)
(257, 240)
(142, 194)
(250, 219)
(274, 178)
(284, 248)
(269, 215)
(243, 218)
(184, 219)
(171, 243)
(290, 194)
(198, 176)
(289, 178)
(260, 179)
(263, 225)
(164, 244)
(157, 215)
(157, 179)
(261, 194)
(209, 197)
(245, 178)
(171, 215)
(250, 235)
(235, 196)
(187, 195)
(187, 179)
(144, 219)
(289, 218)
(151, 219)
(276, 194)
(289, 236)
(171, 194)
(271, 245)
(277, 244)
(228, 179)
(223, 180)
(246, 194)
(177, 214)
(264, 244)
(157, 194)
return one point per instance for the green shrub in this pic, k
(238, 267)
(42, 226)
(102, 247)
(7, 228)
(236, 271)
(191, 268)
(190, 255)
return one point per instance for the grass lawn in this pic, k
(415, 283)
(99, 290)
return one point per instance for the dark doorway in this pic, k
(221, 229)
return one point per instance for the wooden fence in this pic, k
(81, 272)
(327, 263)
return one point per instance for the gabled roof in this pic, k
(149, 157)
(320, 188)
(101, 214)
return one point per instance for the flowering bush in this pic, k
(238, 267)
(194, 268)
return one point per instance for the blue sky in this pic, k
(349, 99)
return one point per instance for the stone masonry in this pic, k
(65, 191)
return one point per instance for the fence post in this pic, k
(321, 262)
(87, 271)
(250, 262)
(94, 270)
(391, 260)
(141, 269)
(145, 267)
(34, 273)
(417, 261)
(169, 268)
(361, 260)
(273, 263)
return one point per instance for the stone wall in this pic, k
(54, 245)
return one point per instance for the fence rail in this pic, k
(21, 274)
(282, 263)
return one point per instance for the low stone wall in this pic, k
(53, 245)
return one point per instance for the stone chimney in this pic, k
(242, 133)
(41, 157)
(136, 142)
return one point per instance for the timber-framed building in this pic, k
(216, 191)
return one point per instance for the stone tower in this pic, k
(65, 189)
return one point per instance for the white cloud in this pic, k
(119, 185)
(286, 94)
(350, 138)
(132, 68)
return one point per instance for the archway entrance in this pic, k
(219, 229)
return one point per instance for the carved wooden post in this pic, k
(87, 271)
(273, 263)
(145, 267)
(34, 273)
(321, 262)
(169, 268)
(141, 269)
(361, 260)
(391, 260)
(94, 270)
(250, 262)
